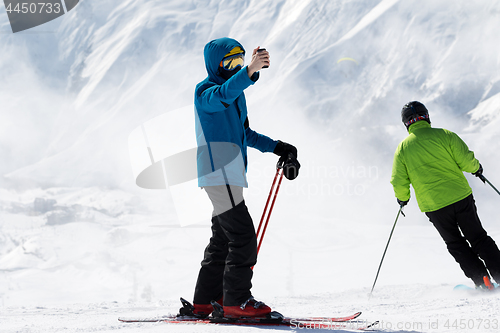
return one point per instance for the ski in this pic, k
(190, 318)
(274, 318)
(334, 319)
(486, 286)
(294, 323)
(463, 287)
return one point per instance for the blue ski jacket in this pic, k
(222, 127)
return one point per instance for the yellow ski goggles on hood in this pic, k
(233, 60)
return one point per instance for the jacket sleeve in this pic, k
(218, 97)
(261, 142)
(400, 179)
(463, 156)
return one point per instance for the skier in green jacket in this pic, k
(433, 161)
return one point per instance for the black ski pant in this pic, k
(466, 240)
(226, 269)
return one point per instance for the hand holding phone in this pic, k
(260, 60)
(260, 51)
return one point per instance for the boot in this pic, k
(486, 285)
(251, 308)
(204, 310)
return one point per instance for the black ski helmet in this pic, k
(413, 112)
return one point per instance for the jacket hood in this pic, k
(214, 53)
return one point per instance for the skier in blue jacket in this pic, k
(223, 135)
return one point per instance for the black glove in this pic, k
(282, 149)
(290, 166)
(479, 171)
(288, 159)
(403, 203)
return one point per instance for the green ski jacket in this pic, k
(433, 161)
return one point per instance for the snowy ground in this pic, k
(414, 308)
(61, 270)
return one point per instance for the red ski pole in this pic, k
(259, 241)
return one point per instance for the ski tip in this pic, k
(139, 320)
(462, 287)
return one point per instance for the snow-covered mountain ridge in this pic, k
(112, 67)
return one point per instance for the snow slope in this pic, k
(79, 240)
